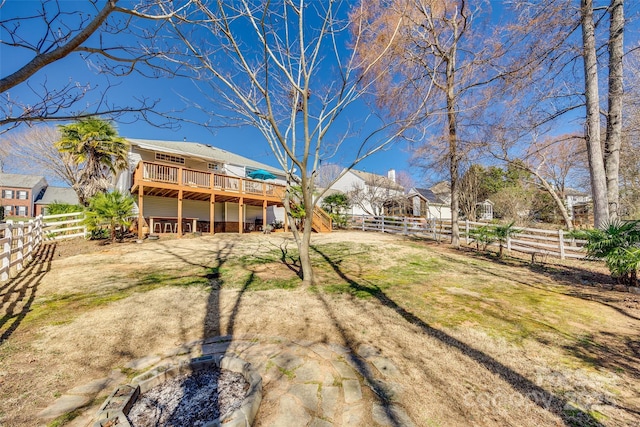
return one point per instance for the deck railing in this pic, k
(155, 172)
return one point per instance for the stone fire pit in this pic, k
(114, 411)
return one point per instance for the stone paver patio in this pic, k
(304, 383)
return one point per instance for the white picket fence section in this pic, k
(19, 240)
(527, 240)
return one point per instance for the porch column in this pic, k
(179, 225)
(212, 214)
(264, 215)
(140, 213)
(240, 216)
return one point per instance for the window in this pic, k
(23, 211)
(7, 194)
(169, 158)
(23, 195)
(7, 210)
(214, 166)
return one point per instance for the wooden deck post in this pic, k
(212, 214)
(264, 215)
(240, 216)
(140, 213)
(179, 224)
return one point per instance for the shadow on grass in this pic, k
(24, 285)
(529, 390)
(213, 337)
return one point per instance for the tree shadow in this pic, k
(214, 338)
(525, 387)
(24, 285)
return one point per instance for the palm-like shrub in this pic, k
(113, 209)
(618, 244)
(484, 236)
(503, 233)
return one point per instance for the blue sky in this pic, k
(170, 93)
(246, 141)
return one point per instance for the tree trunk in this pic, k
(304, 249)
(614, 117)
(559, 202)
(592, 124)
(453, 150)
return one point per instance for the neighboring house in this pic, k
(574, 198)
(370, 194)
(55, 194)
(188, 186)
(19, 193)
(424, 202)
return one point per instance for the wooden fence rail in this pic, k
(19, 240)
(526, 240)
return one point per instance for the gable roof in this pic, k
(378, 180)
(203, 151)
(426, 194)
(60, 195)
(20, 181)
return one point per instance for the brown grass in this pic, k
(479, 341)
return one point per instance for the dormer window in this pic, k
(169, 158)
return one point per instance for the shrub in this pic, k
(618, 244)
(484, 236)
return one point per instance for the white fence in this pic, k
(526, 240)
(19, 240)
(64, 226)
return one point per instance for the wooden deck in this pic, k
(154, 179)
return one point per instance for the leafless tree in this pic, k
(289, 69)
(557, 31)
(327, 174)
(374, 194)
(32, 150)
(52, 30)
(443, 49)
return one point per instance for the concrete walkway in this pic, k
(304, 383)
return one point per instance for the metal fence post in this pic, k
(561, 243)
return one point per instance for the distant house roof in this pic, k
(378, 180)
(426, 194)
(204, 151)
(59, 195)
(20, 181)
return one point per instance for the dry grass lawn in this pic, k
(479, 341)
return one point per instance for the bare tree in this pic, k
(404, 179)
(52, 30)
(374, 194)
(289, 69)
(563, 81)
(327, 174)
(33, 151)
(439, 52)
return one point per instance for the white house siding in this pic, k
(347, 183)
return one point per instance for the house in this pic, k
(19, 193)
(424, 202)
(55, 194)
(369, 193)
(188, 187)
